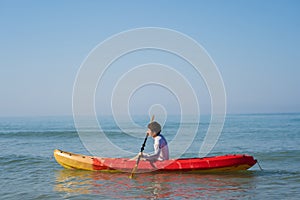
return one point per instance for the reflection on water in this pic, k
(155, 186)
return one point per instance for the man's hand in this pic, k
(138, 155)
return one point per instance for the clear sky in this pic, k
(255, 44)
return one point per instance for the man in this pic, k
(161, 150)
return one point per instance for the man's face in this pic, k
(151, 133)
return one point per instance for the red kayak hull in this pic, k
(235, 162)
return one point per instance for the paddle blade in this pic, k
(132, 173)
(152, 118)
(135, 167)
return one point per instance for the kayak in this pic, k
(234, 162)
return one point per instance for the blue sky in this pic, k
(255, 45)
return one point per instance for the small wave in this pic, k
(20, 159)
(25, 162)
(278, 154)
(295, 120)
(274, 172)
(47, 133)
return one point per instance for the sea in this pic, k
(28, 169)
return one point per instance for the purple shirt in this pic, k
(161, 150)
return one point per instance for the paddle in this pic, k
(139, 157)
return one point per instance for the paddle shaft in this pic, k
(144, 144)
(145, 140)
(139, 157)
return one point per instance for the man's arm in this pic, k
(156, 153)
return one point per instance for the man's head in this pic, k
(154, 129)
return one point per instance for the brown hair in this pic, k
(154, 127)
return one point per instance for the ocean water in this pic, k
(29, 171)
